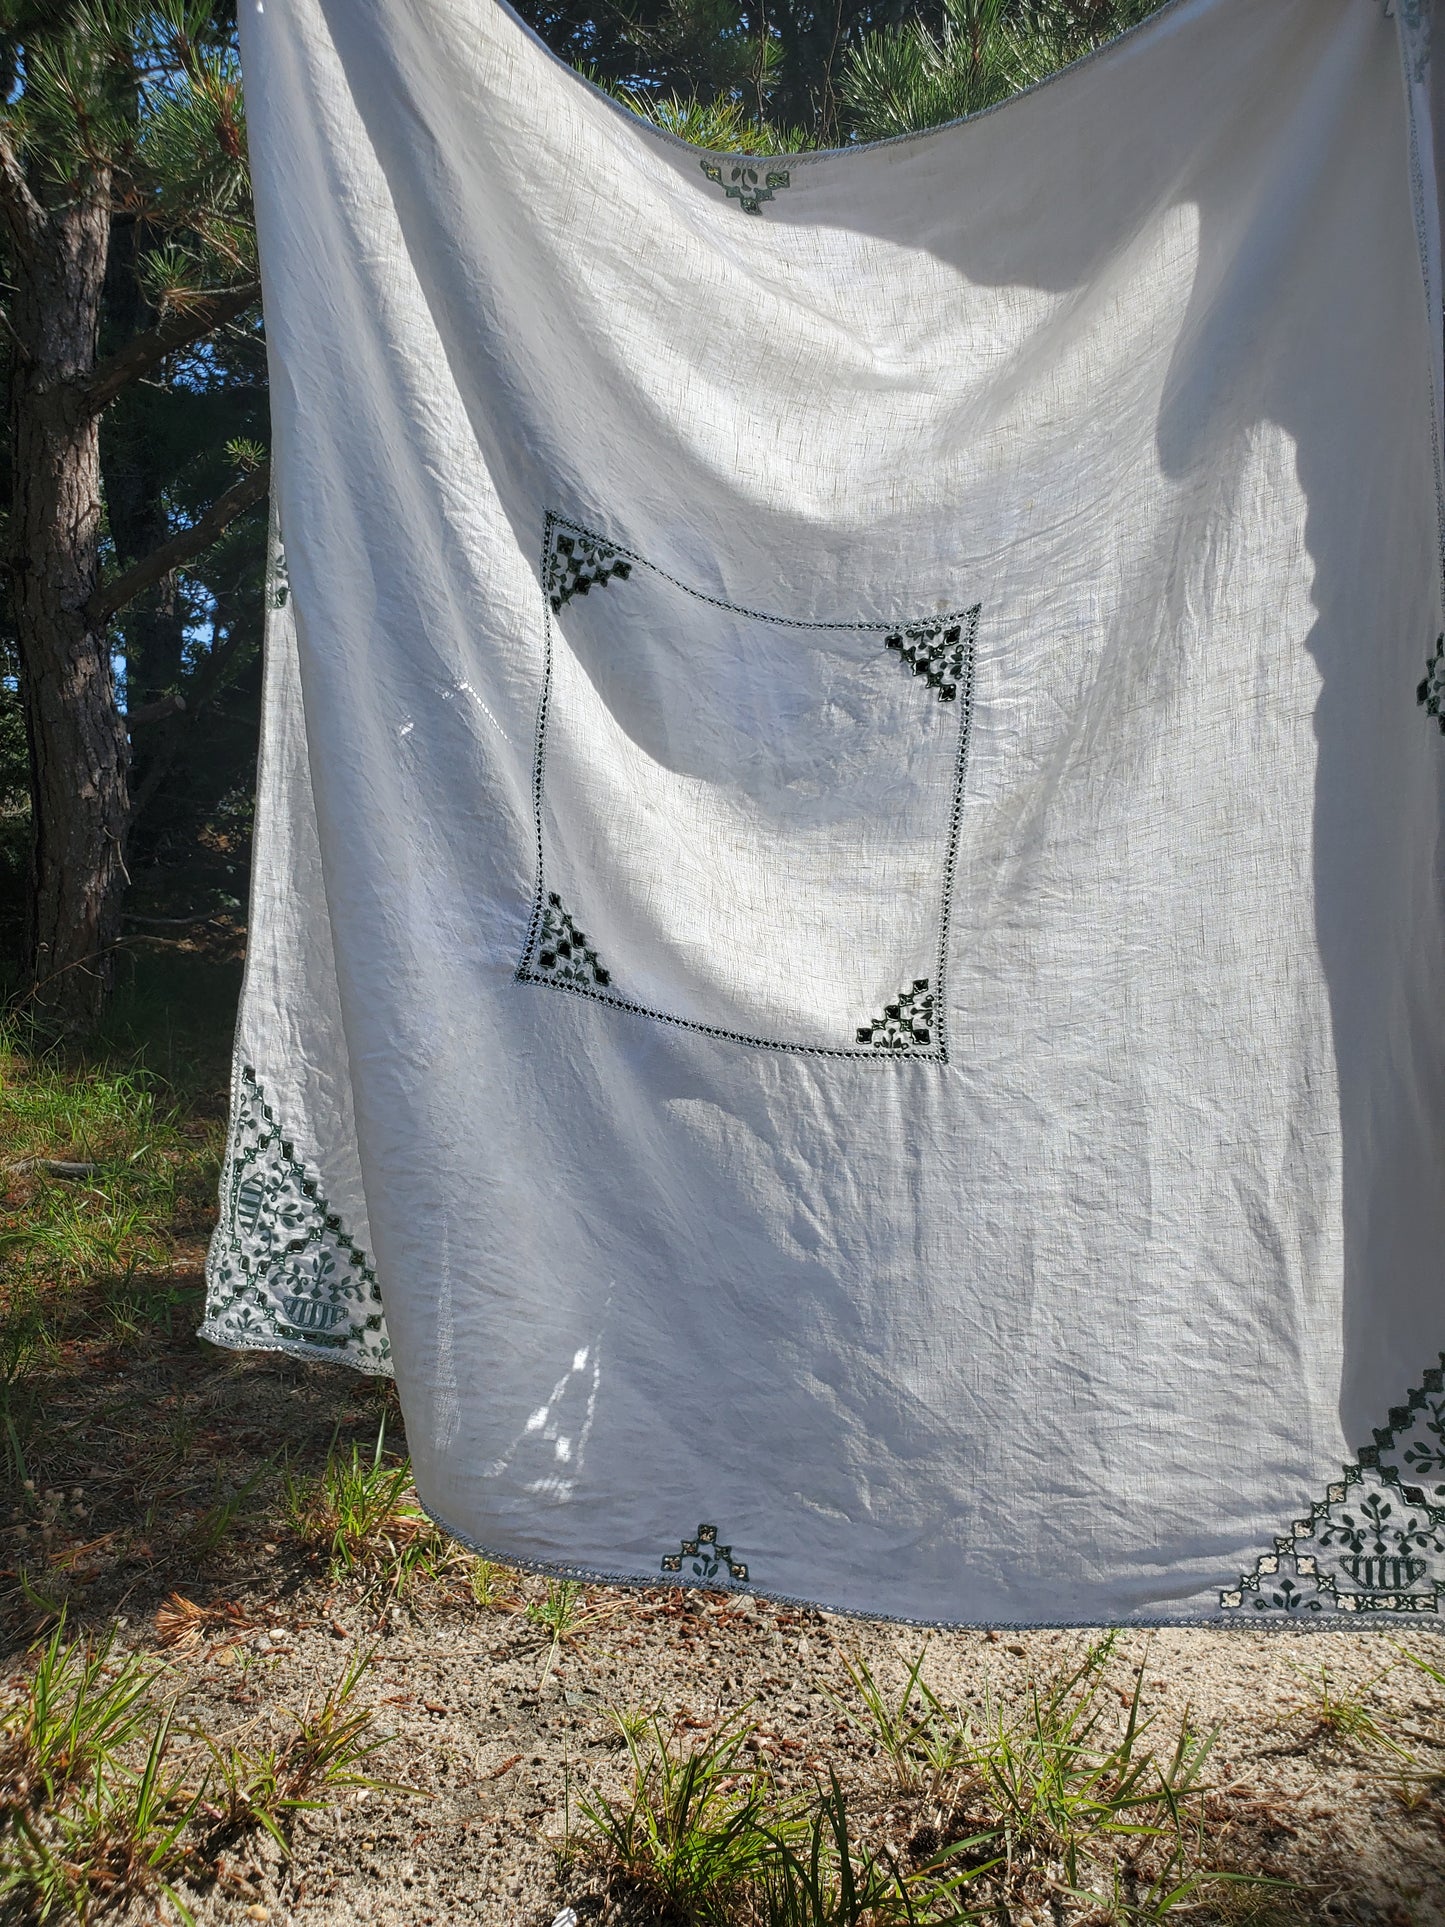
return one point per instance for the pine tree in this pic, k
(116, 114)
(974, 55)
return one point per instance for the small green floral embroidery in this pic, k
(563, 951)
(904, 1026)
(281, 1268)
(935, 652)
(1376, 1542)
(1431, 692)
(578, 563)
(745, 183)
(706, 1558)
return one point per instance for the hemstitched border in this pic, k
(525, 973)
(347, 1361)
(1217, 1621)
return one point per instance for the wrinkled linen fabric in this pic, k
(847, 914)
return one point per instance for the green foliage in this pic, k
(143, 1168)
(827, 1879)
(1060, 1793)
(99, 1807)
(722, 124)
(564, 1614)
(90, 1809)
(1418, 1779)
(1062, 1782)
(719, 47)
(1344, 1716)
(492, 1587)
(362, 1512)
(923, 1746)
(268, 1787)
(137, 106)
(144, 95)
(695, 1825)
(920, 74)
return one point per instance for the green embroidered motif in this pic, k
(1376, 1542)
(904, 1026)
(939, 650)
(936, 652)
(578, 563)
(706, 1558)
(563, 951)
(281, 1268)
(744, 183)
(1431, 692)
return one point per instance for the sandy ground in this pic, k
(502, 1735)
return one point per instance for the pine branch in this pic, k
(189, 542)
(24, 217)
(144, 351)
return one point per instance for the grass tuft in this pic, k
(105, 1801)
(826, 1878)
(695, 1826)
(268, 1788)
(91, 1811)
(363, 1512)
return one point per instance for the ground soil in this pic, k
(502, 1736)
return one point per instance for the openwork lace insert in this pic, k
(283, 1271)
(1375, 1543)
(745, 182)
(703, 1559)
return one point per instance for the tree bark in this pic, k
(78, 754)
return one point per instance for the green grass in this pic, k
(1064, 1800)
(115, 1250)
(106, 1800)
(115, 1254)
(824, 1877)
(924, 1746)
(268, 1788)
(361, 1512)
(1344, 1717)
(696, 1825)
(92, 1811)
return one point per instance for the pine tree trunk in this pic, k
(79, 777)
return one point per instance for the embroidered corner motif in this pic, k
(904, 1026)
(1430, 694)
(705, 1559)
(563, 951)
(282, 1269)
(1376, 1542)
(671, 651)
(746, 183)
(578, 563)
(936, 652)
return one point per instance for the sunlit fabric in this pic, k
(846, 969)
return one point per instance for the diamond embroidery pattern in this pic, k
(563, 951)
(1431, 692)
(579, 563)
(904, 1026)
(746, 184)
(935, 653)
